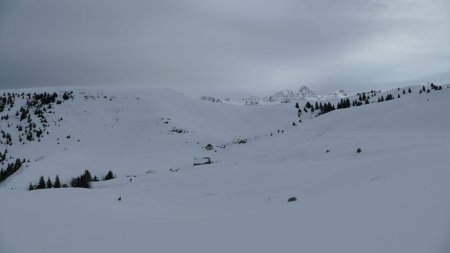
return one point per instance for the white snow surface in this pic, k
(391, 197)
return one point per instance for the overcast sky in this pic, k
(226, 47)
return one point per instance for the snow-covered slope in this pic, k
(390, 197)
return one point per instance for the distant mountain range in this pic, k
(281, 97)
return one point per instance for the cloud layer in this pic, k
(215, 47)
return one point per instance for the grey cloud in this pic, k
(229, 47)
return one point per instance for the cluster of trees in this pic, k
(344, 103)
(46, 185)
(432, 87)
(388, 97)
(82, 181)
(3, 156)
(326, 108)
(11, 168)
(42, 99)
(36, 103)
(7, 139)
(404, 92)
(7, 100)
(322, 108)
(67, 95)
(435, 87)
(363, 97)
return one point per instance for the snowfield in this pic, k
(391, 197)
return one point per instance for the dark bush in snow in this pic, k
(41, 184)
(109, 176)
(83, 181)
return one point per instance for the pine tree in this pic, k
(41, 184)
(109, 176)
(409, 90)
(296, 105)
(30, 187)
(49, 183)
(87, 175)
(57, 183)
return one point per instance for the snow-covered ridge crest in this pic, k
(304, 93)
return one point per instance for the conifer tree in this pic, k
(49, 183)
(109, 176)
(87, 175)
(30, 187)
(41, 184)
(57, 182)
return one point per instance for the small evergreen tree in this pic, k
(49, 183)
(41, 184)
(296, 105)
(109, 176)
(87, 175)
(57, 182)
(358, 150)
(30, 187)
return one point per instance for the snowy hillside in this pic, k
(389, 197)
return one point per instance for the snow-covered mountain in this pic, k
(338, 94)
(281, 97)
(372, 177)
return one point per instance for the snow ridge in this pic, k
(304, 93)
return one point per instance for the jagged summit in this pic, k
(304, 93)
(338, 94)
